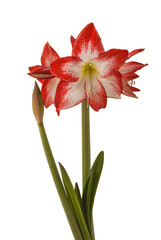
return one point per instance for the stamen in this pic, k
(131, 83)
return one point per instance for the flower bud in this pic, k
(37, 104)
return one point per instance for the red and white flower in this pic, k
(128, 72)
(89, 73)
(44, 75)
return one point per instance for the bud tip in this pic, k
(37, 104)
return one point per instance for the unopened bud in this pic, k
(37, 104)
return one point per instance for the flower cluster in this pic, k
(91, 72)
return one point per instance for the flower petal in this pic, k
(41, 73)
(98, 97)
(88, 44)
(48, 55)
(34, 68)
(67, 68)
(112, 85)
(131, 67)
(134, 89)
(69, 94)
(109, 62)
(72, 40)
(130, 76)
(127, 89)
(132, 53)
(48, 90)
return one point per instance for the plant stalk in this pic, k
(86, 158)
(59, 186)
(86, 150)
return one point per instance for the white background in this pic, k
(128, 201)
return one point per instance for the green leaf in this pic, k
(75, 203)
(97, 169)
(77, 191)
(88, 199)
(90, 187)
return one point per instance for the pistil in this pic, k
(88, 72)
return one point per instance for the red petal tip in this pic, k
(134, 52)
(90, 24)
(58, 112)
(144, 65)
(29, 74)
(48, 55)
(32, 68)
(72, 40)
(41, 73)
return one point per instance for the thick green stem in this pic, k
(59, 186)
(86, 151)
(86, 158)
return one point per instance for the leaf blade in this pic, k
(76, 205)
(90, 188)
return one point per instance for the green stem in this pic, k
(59, 186)
(86, 151)
(86, 158)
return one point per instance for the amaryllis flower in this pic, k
(44, 75)
(89, 73)
(128, 72)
